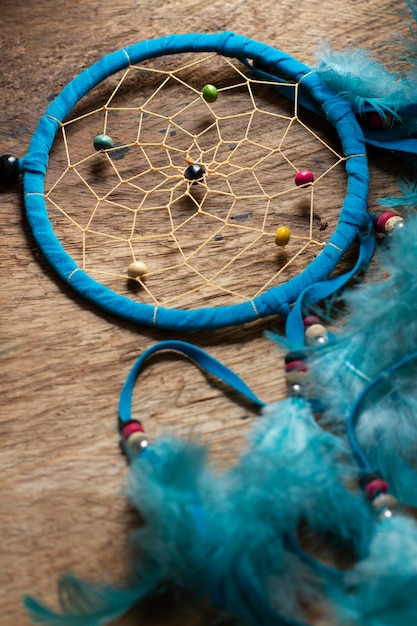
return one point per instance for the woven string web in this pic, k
(213, 240)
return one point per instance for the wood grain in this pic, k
(62, 361)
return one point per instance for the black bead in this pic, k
(375, 218)
(367, 478)
(294, 356)
(194, 172)
(9, 170)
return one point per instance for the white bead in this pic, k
(137, 443)
(384, 501)
(137, 269)
(295, 377)
(316, 334)
(393, 222)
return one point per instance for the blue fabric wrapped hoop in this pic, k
(278, 299)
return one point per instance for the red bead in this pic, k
(382, 219)
(304, 177)
(296, 366)
(310, 320)
(130, 428)
(378, 485)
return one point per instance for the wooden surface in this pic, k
(62, 362)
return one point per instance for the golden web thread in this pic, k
(171, 178)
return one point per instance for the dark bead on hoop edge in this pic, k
(9, 170)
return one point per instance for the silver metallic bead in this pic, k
(137, 443)
(393, 223)
(316, 334)
(295, 390)
(385, 514)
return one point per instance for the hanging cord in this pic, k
(212, 366)
(198, 356)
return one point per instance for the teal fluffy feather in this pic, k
(358, 77)
(163, 485)
(224, 535)
(308, 469)
(386, 432)
(382, 589)
(169, 485)
(380, 330)
(84, 604)
(408, 198)
(292, 471)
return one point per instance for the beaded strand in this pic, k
(133, 438)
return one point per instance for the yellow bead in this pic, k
(282, 236)
(137, 269)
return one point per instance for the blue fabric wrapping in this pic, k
(276, 301)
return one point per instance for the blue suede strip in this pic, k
(201, 358)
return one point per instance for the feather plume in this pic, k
(169, 485)
(163, 486)
(83, 604)
(308, 469)
(356, 76)
(408, 198)
(380, 330)
(382, 589)
(292, 471)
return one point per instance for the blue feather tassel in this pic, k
(356, 76)
(308, 469)
(293, 471)
(168, 485)
(380, 330)
(408, 198)
(382, 589)
(83, 604)
(225, 536)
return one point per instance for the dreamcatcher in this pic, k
(172, 173)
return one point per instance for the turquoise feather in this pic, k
(306, 470)
(83, 604)
(363, 80)
(225, 536)
(382, 589)
(408, 198)
(169, 485)
(380, 330)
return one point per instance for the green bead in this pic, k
(103, 142)
(210, 93)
